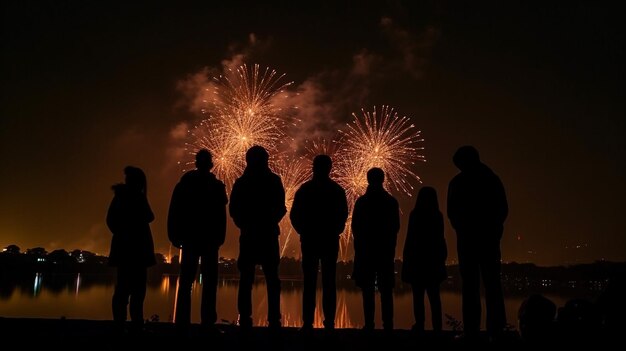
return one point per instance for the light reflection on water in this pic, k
(81, 297)
(37, 284)
(77, 284)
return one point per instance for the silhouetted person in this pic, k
(612, 305)
(375, 225)
(536, 320)
(477, 208)
(579, 322)
(424, 258)
(196, 223)
(132, 247)
(257, 204)
(319, 213)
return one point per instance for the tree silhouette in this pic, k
(12, 249)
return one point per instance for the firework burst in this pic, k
(250, 106)
(293, 171)
(228, 162)
(379, 139)
(320, 146)
(245, 102)
(244, 108)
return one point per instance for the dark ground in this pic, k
(100, 335)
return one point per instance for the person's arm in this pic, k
(357, 224)
(221, 214)
(408, 240)
(173, 217)
(343, 211)
(502, 204)
(113, 215)
(443, 249)
(395, 224)
(452, 205)
(396, 217)
(296, 215)
(279, 207)
(234, 207)
(149, 215)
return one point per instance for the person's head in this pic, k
(135, 178)
(204, 160)
(322, 164)
(466, 157)
(536, 317)
(257, 157)
(427, 199)
(375, 177)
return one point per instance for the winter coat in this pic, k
(128, 219)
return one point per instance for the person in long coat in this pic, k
(132, 247)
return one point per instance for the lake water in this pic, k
(84, 297)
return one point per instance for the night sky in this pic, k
(89, 87)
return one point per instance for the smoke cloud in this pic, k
(322, 103)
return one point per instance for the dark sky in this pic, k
(91, 86)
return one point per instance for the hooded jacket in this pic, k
(128, 218)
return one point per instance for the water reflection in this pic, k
(37, 285)
(77, 284)
(88, 297)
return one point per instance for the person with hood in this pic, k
(257, 205)
(132, 247)
(477, 209)
(196, 223)
(375, 225)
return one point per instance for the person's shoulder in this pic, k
(189, 176)
(275, 178)
(238, 182)
(337, 186)
(219, 186)
(308, 184)
(216, 182)
(392, 200)
(306, 187)
(458, 178)
(118, 189)
(361, 199)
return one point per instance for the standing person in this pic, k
(375, 225)
(132, 247)
(196, 223)
(477, 209)
(319, 213)
(257, 204)
(424, 258)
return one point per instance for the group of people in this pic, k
(196, 223)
